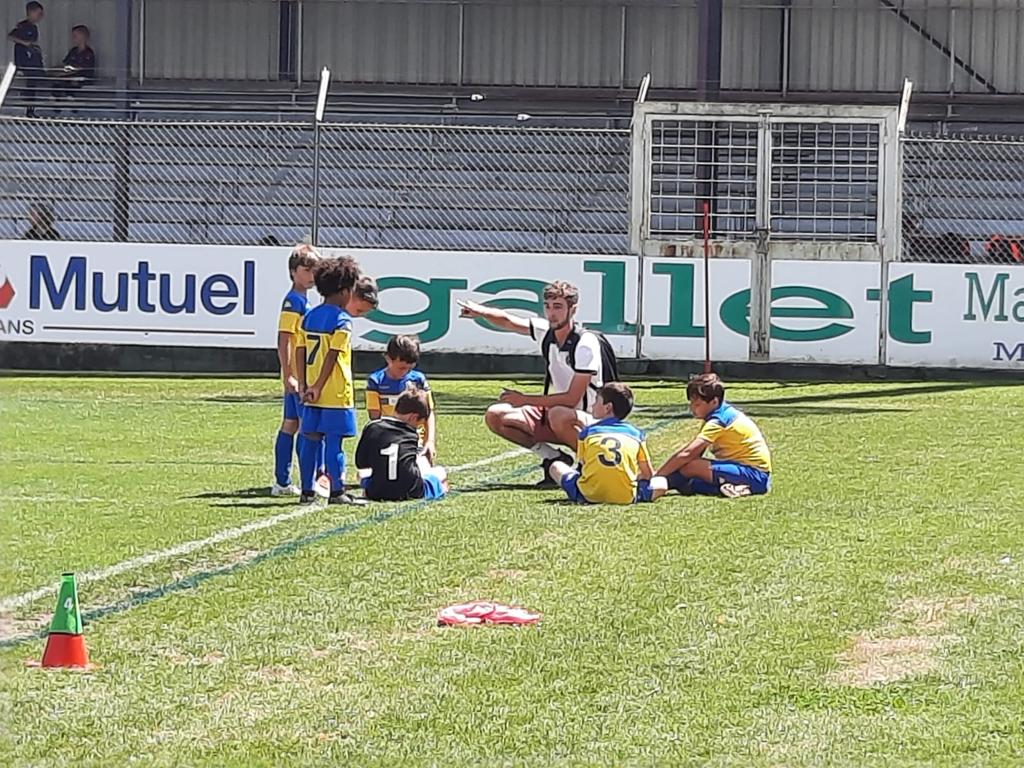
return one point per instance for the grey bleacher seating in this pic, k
(427, 187)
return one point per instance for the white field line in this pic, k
(17, 601)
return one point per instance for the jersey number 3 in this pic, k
(612, 455)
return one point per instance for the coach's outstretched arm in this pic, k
(498, 317)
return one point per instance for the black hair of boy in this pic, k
(333, 276)
(404, 348)
(413, 401)
(619, 397)
(707, 387)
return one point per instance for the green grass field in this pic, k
(867, 612)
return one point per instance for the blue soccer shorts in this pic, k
(329, 421)
(570, 484)
(723, 473)
(292, 406)
(433, 485)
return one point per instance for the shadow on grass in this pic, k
(235, 399)
(517, 487)
(241, 493)
(282, 504)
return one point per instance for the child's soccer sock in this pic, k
(283, 458)
(335, 462)
(545, 451)
(309, 455)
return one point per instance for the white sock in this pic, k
(545, 451)
(659, 483)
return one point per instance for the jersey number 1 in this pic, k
(392, 454)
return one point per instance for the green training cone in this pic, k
(67, 619)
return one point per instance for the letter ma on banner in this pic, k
(957, 316)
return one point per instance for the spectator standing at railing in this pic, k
(79, 64)
(28, 56)
(40, 219)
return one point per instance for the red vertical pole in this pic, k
(707, 287)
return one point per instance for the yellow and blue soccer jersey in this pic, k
(382, 392)
(293, 309)
(609, 454)
(327, 328)
(735, 437)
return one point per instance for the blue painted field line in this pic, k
(285, 548)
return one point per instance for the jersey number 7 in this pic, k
(317, 340)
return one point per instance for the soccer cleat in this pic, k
(734, 491)
(322, 486)
(342, 497)
(284, 490)
(307, 497)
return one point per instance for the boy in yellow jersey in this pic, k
(742, 463)
(323, 360)
(385, 386)
(301, 263)
(612, 455)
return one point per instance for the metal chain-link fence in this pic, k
(963, 200)
(392, 186)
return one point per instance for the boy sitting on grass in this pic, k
(742, 463)
(385, 386)
(612, 455)
(390, 465)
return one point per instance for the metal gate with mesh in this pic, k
(776, 183)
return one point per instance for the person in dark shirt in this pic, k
(388, 458)
(28, 56)
(40, 219)
(79, 64)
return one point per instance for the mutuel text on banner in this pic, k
(120, 293)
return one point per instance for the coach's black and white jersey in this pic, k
(390, 447)
(580, 353)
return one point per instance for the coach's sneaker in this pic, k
(547, 481)
(343, 497)
(284, 490)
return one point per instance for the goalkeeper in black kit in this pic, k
(390, 465)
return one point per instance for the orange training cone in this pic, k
(65, 644)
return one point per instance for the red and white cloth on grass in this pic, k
(481, 612)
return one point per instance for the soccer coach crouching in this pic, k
(578, 363)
